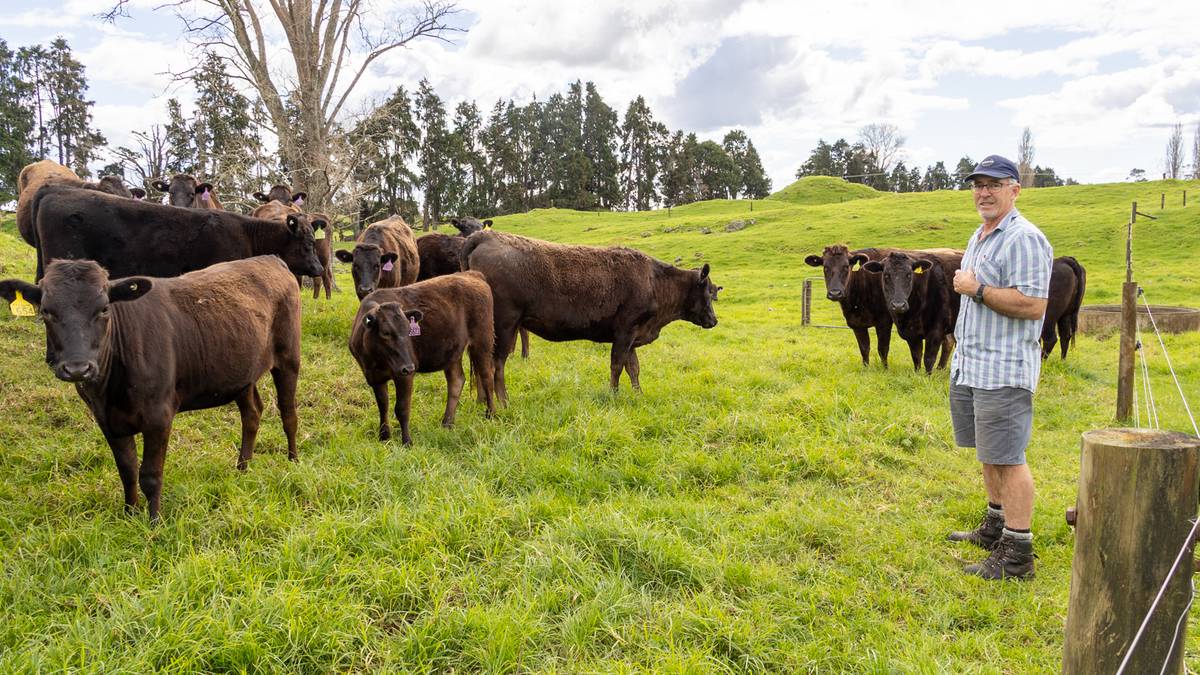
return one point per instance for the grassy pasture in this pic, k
(766, 505)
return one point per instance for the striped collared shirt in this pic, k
(994, 350)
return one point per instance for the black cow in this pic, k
(918, 288)
(1068, 281)
(859, 294)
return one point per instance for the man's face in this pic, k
(994, 197)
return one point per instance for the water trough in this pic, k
(1103, 319)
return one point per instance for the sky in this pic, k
(1100, 84)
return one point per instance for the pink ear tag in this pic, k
(299, 201)
(414, 329)
(204, 195)
(387, 266)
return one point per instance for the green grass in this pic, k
(767, 505)
(812, 190)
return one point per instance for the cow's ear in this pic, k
(921, 266)
(261, 197)
(873, 266)
(293, 223)
(388, 258)
(204, 187)
(10, 287)
(487, 223)
(414, 315)
(344, 255)
(704, 273)
(132, 288)
(138, 193)
(454, 222)
(858, 259)
(320, 223)
(814, 261)
(299, 197)
(160, 185)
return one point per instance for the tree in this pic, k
(963, 169)
(1196, 153)
(936, 178)
(71, 128)
(180, 154)
(1173, 164)
(149, 160)
(884, 142)
(470, 164)
(16, 122)
(32, 62)
(330, 46)
(436, 154)
(223, 132)
(643, 143)
(598, 140)
(752, 177)
(679, 169)
(1136, 176)
(390, 141)
(1025, 158)
(899, 180)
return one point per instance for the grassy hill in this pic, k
(766, 504)
(824, 190)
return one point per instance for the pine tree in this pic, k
(936, 178)
(70, 129)
(435, 154)
(225, 136)
(599, 139)
(389, 142)
(467, 130)
(16, 122)
(963, 169)
(643, 142)
(753, 182)
(181, 147)
(717, 175)
(32, 63)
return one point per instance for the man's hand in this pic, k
(965, 282)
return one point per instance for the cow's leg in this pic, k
(524, 343)
(481, 371)
(933, 344)
(250, 406)
(454, 386)
(285, 391)
(883, 337)
(1048, 337)
(864, 344)
(381, 402)
(124, 449)
(948, 345)
(404, 387)
(327, 282)
(506, 322)
(1065, 335)
(632, 368)
(154, 456)
(621, 347)
(915, 349)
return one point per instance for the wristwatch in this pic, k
(978, 297)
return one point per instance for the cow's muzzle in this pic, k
(76, 371)
(899, 307)
(834, 295)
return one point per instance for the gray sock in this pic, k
(1019, 536)
(996, 512)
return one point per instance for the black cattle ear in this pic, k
(10, 287)
(704, 273)
(160, 185)
(261, 197)
(921, 266)
(138, 193)
(858, 259)
(344, 255)
(814, 260)
(293, 223)
(874, 266)
(454, 222)
(132, 288)
(320, 222)
(487, 223)
(388, 258)
(414, 315)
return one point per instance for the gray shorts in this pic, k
(996, 422)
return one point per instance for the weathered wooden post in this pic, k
(1138, 491)
(1162, 202)
(806, 303)
(1185, 197)
(1128, 329)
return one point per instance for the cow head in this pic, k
(902, 275)
(183, 190)
(113, 185)
(204, 195)
(300, 252)
(367, 263)
(75, 297)
(468, 225)
(386, 338)
(282, 194)
(701, 294)
(838, 264)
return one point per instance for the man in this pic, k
(1004, 281)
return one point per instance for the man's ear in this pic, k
(132, 288)
(10, 287)
(344, 255)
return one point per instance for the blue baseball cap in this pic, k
(995, 166)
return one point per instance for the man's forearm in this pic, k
(1013, 303)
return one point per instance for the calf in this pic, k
(185, 191)
(859, 294)
(602, 294)
(384, 256)
(918, 289)
(142, 350)
(424, 328)
(1068, 281)
(279, 211)
(129, 237)
(46, 172)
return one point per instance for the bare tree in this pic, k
(330, 45)
(1025, 158)
(883, 140)
(1173, 164)
(1196, 153)
(150, 158)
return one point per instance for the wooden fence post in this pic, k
(806, 303)
(1162, 201)
(1127, 342)
(1137, 498)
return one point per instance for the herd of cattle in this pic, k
(155, 309)
(913, 290)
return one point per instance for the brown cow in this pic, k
(859, 294)
(424, 328)
(384, 256)
(282, 194)
(604, 294)
(279, 211)
(185, 191)
(142, 350)
(918, 289)
(1068, 280)
(46, 171)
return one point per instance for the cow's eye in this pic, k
(103, 313)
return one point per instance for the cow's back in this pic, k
(439, 255)
(32, 177)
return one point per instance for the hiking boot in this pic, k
(986, 535)
(1010, 559)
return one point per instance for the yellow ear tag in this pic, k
(857, 267)
(487, 227)
(21, 307)
(319, 234)
(919, 270)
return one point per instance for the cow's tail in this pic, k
(473, 241)
(1077, 299)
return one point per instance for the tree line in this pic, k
(412, 155)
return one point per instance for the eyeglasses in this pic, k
(988, 187)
